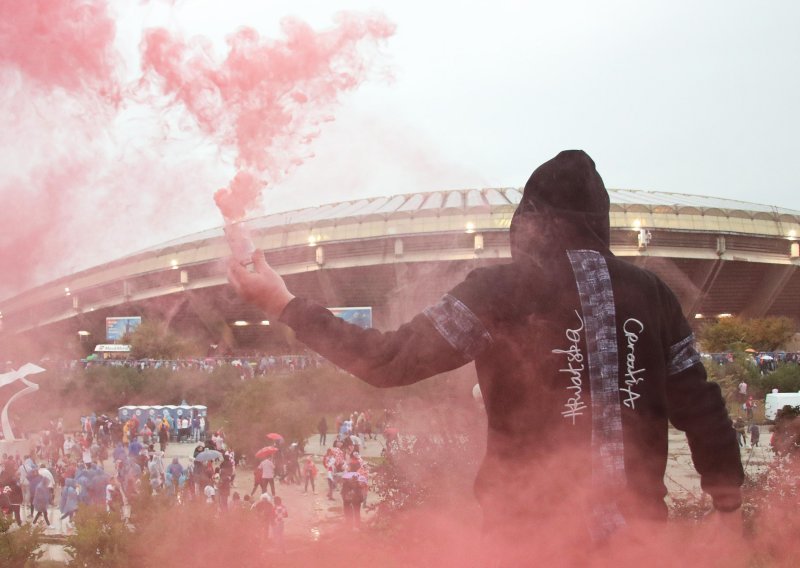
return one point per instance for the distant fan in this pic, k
(7, 379)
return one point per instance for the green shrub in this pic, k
(104, 389)
(101, 540)
(786, 378)
(729, 375)
(434, 468)
(195, 535)
(19, 548)
(261, 406)
(145, 506)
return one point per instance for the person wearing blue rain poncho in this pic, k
(69, 499)
(97, 487)
(41, 501)
(83, 479)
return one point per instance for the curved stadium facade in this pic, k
(399, 253)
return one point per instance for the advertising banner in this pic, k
(118, 327)
(361, 317)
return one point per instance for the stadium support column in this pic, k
(707, 282)
(328, 287)
(774, 280)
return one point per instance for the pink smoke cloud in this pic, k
(93, 170)
(60, 70)
(60, 44)
(265, 101)
(32, 225)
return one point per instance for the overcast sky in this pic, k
(695, 97)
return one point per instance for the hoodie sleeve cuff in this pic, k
(727, 501)
(293, 311)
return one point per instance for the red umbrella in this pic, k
(266, 452)
(274, 436)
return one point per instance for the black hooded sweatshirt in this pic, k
(582, 360)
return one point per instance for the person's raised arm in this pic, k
(444, 336)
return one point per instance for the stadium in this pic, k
(396, 254)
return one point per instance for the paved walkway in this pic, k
(682, 479)
(313, 516)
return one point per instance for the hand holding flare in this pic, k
(238, 237)
(264, 287)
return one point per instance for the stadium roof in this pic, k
(477, 200)
(719, 255)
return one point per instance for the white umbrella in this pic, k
(208, 455)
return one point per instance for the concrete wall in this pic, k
(12, 447)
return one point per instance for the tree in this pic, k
(769, 334)
(737, 334)
(258, 408)
(727, 334)
(153, 340)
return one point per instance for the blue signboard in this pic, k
(361, 317)
(117, 328)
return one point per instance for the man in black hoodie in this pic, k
(582, 360)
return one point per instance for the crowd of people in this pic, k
(250, 365)
(746, 425)
(72, 466)
(765, 361)
(64, 468)
(344, 468)
(357, 427)
(108, 462)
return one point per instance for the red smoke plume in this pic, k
(266, 99)
(92, 172)
(66, 44)
(32, 220)
(58, 68)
